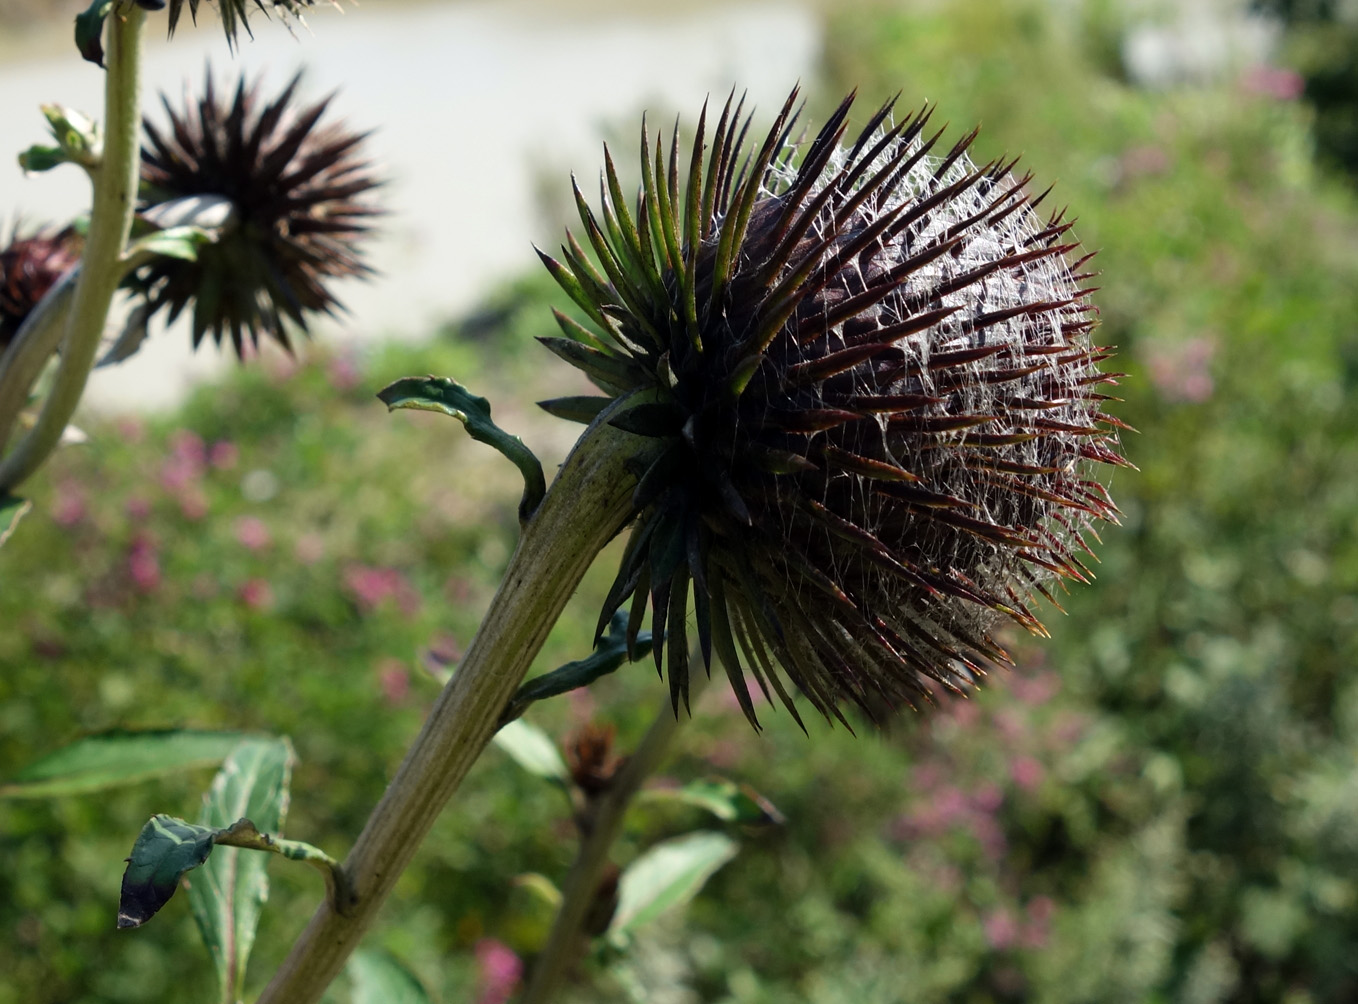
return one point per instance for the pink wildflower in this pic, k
(1001, 929)
(1273, 82)
(70, 508)
(224, 455)
(143, 563)
(393, 680)
(1026, 772)
(499, 969)
(256, 594)
(252, 534)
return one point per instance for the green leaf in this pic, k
(38, 158)
(12, 509)
(165, 849)
(89, 31)
(728, 801)
(668, 875)
(533, 750)
(576, 409)
(174, 242)
(117, 758)
(608, 655)
(229, 894)
(450, 398)
(378, 978)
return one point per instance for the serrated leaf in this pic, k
(229, 893)
(12, 509)
(117, 758)
(449, 397)
(165, 849)
(728, 801)
(668, 875)
(89, 31)
(533, 750)
(378, 978)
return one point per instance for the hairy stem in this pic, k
(115, 193)
(584, 509)
(604, 825)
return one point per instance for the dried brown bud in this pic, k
(590, 758)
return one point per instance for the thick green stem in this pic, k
(115, 192)
(586, 506)
(605, 824)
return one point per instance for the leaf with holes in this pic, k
(165, 849)
(228, 894)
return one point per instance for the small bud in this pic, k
(870, 370)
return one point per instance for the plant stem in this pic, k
(605, 824)
(585, 508)
(115, 191)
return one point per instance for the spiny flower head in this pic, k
(29, 267)
(235, 14)
(869, 370)
(297, 191)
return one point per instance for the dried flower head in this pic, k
(591, 760)
(29, 267)
(296, 190)
(871, 372)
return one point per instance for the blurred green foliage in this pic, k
(1161, 805)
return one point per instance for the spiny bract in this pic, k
(235, 14)
(296, 189)
(871, 372)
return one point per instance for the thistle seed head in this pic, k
(297, 189)
(29, 267)
(871, 370)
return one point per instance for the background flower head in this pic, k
(29, 267)
(297, 190)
